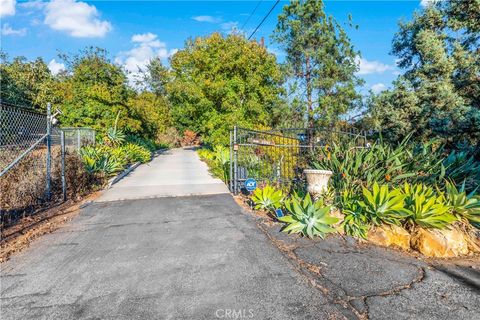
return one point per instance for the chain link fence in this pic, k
(280, 156)
(75, 138)
(20, 128)
(39, 164)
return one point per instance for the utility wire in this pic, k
(264, 18)
(251, 14)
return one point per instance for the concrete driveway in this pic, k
(177, 172)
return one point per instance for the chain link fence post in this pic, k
(49, 150)
(230, 182)
(62, 148)
(235, 158)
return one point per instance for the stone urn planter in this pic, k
(317, 181)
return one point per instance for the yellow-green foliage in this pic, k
(308, 217)
(218, 160)
(267, 198)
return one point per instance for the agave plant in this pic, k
(463, 170)
(463, 205)
(267, 198)
(425, 208)
(355, 222)
(356, 167)
(115, 136)
(308, 218)
(98, 160)
(222, 160)
(382, 205)
(137, 153)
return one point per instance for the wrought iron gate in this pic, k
(279, 156)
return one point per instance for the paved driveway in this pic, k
(177, 172)
(158, 254)
(196, 257)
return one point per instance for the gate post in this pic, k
(230, 177)
(235, 158)
(49, 149)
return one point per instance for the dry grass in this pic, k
(22, 189)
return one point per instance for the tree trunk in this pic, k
(308, 80)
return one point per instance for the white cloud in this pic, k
(36, 4)
(7, 30)
(229, 26)
(426, 3)
(7, 7)
(378, 87)
(78, 19)
(145, 37)
(210, 19)
(369, 67)
(146, 47)
(55, 67)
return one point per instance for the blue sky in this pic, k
(135, 31)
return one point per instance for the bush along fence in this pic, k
(39, 163)
(415, 196)
(280, 156)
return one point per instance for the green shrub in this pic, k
(267, 198)
(355, 222)
(98, 160)
(148, 144)
(135, 153)
(218, 161)
(357, 167)
(307, 217)
(425, 208)
(115, 136)
(463, 170)
(382, 205)
(463, 205)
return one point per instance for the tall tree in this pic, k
(218, 82)
(154, 77)
(321, 57)
(94, 91)
(26, 83)
(439, 51)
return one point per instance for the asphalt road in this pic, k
(160, 257)
(169, 258)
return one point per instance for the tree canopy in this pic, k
(438, 96)
(221, 81)
(26, 83)
(321, 57)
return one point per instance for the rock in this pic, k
(390, 235)
(473, 240)
(341, 217)
(440, 243)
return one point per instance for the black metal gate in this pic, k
(279, 156)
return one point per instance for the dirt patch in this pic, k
(19, 236)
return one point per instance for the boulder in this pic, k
(444, 243)
(390, 235)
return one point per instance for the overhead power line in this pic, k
(263, 20)
(251, 14)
